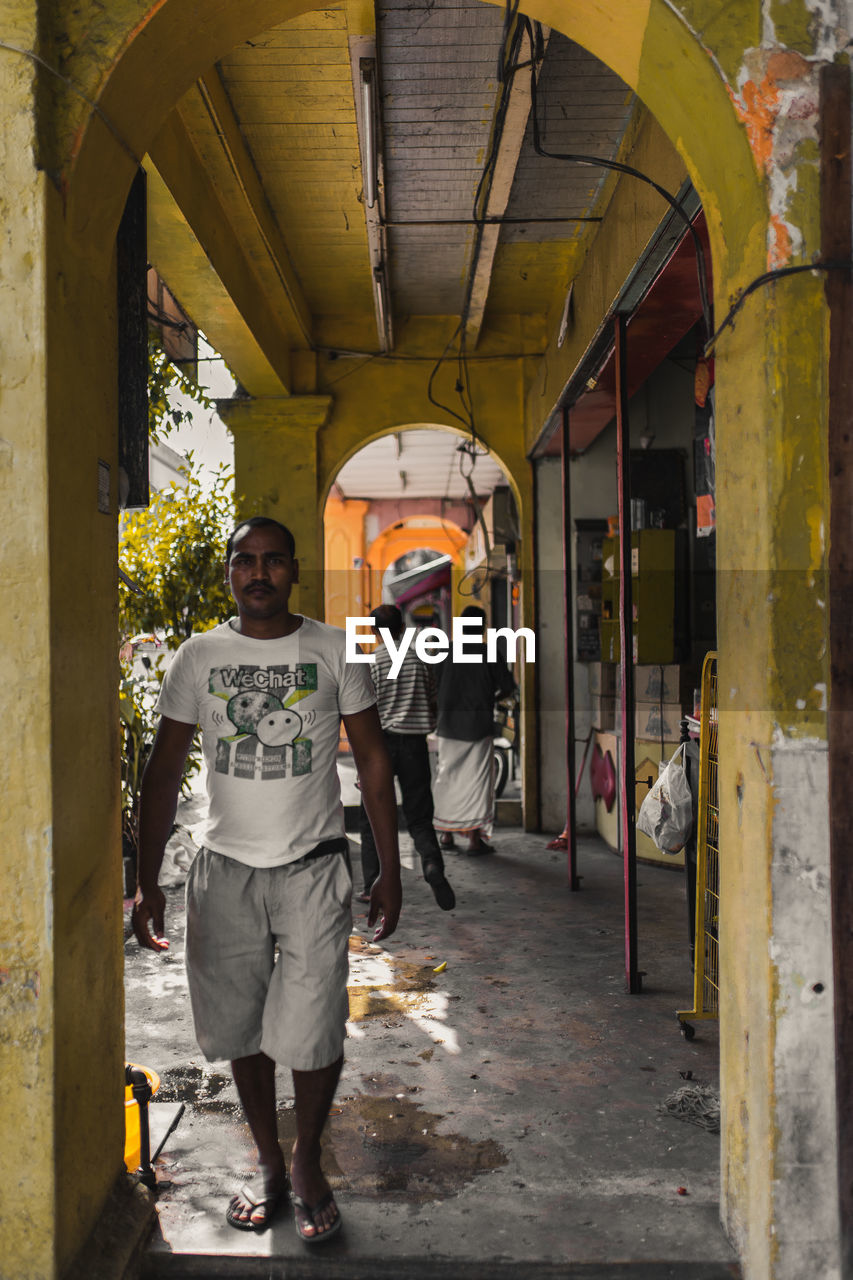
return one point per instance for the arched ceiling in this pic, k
(421, 463)
(258, 219)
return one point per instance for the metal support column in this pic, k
(836, 246)
(568, 601)
(627, 769)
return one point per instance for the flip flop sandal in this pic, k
(271, 1203)
(308, 1211)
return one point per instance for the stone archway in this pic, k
(717, 94)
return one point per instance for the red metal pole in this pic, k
(633, 978)
(568, 598)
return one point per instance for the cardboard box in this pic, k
(603, 713)
(670, 683)
(657, 720)
(602, 679)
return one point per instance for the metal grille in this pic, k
(706, 975)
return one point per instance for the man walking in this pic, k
(465, 778)
(269, 689)
(407, 714)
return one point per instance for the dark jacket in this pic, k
(466, 696)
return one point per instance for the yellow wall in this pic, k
(63, 1022)
(275, 464)
(61, 1001)
(27, 1113)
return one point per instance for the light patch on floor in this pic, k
(394, 991)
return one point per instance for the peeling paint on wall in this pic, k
(777, 100)
(805, 1209)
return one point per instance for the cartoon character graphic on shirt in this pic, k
(266, 739)
(265, 715)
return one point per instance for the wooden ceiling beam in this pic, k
(255, 203)
(506, 163)
(202, 158)
(184, 264)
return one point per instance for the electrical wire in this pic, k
(377, 355)
(467, 422)
(508, 65)
(160, 317)
(512, 36)
(777, 274)
(392, 357)
(619, 167)
(66, 80)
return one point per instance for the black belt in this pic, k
(337, 845)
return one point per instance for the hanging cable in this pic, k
(777, 274)
(619, 167)
(75, 88)
(467, 422)
(507, 63)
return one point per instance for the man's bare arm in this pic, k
(377, 791)
(161, 784)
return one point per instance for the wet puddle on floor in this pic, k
(381, 1140)
(376, 1145)
(201, 1088)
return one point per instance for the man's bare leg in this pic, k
(313, 1094)
(254, 1077)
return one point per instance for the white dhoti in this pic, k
(464, 786)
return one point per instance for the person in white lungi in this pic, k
(464, 783)
(269, 894)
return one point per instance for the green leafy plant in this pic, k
(137, 724)
(171, 556)
(172, 583)
(173, 553)
(163, 377)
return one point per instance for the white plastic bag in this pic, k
(666, 814)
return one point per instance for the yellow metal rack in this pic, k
(706, 971)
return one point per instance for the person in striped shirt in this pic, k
(407, 713)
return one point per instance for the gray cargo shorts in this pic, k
(292, 1006)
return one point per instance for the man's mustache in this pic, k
(255, 585)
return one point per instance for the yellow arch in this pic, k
(346, 445)
(443, 536)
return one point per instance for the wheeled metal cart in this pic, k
(706, 966)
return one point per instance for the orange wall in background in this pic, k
(354, 571)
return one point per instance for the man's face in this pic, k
(261, 572)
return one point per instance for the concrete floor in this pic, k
(499, 1118)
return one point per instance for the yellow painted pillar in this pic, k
(275, 465)
(27, 1122)
(61, 997)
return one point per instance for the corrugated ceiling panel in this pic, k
(438, 82)
(292, 93)
(583, 107)
(415, 464)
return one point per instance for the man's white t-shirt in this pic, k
(270, 714)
